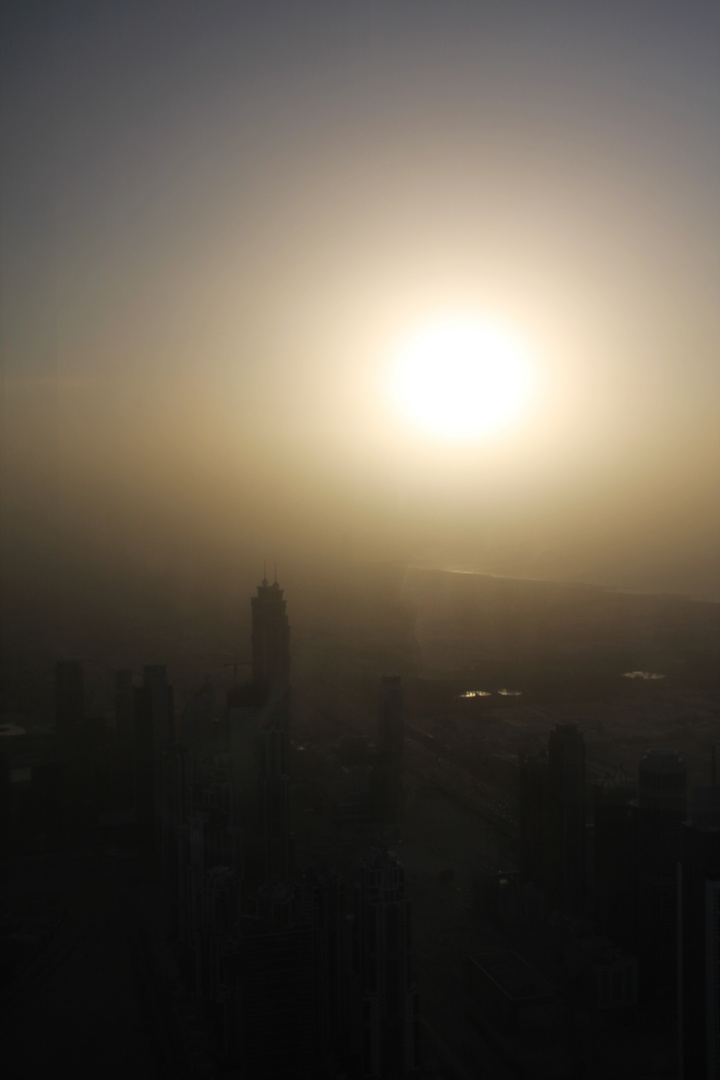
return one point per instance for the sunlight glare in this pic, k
(461, 379)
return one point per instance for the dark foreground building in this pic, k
(69, 702)
(616, 857)
(390, 748)
(699, 942)
(270, 639)
(267, 989)
(566, 818)
(383, 1000)
(552, 819)
(662, 808)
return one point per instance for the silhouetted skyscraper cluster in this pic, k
(302, 975)
(295, 979)
(656, 881)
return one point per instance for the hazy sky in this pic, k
(218, 217)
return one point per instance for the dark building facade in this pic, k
(69, 701)
(5, 801)
(566, 818)
(326, 894)
(390, 747)
(124, 707)
(551, 812)
(383, 1001)
(616, 859)
(270, 639)
(699, 946)
(267, 983)
(153, 723)
(662, 808)
(532, 815)
(272, 805)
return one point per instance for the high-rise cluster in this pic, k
(297, 982)
(655, 880)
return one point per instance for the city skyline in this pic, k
(416, 301)
(356, 874)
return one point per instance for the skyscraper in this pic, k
(272, 805)
(390, 716)
(383, 1000)
(153, 733)
(616, 853)
(267, 981)
(532, 814)
(326, 893)
(176, 804)
(662, 803)
(566, 818)
(699, 943)
(69, 701)
(390, 746)
(123, 707)
(270, 640)
(247, 713)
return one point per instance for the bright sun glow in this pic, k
(461, 379)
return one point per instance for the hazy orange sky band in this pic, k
(217, 218)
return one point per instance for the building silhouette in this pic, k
(69, 702)
(273, 827)
(295, 984)
(176, 779)
(699, 939)
(153, 721)
(270, 640)
(383, 1000)
(267, 987)
(532, 818)
(49, 776)
(247, 714)
(5, 801)
(616, 859)
(566, 818)
(357, 788)
(390, 748)
(662, 807)
(551, 803)
(123, 707)
(326, 893)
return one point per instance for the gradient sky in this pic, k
(217, 217)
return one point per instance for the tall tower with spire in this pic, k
(270, 639)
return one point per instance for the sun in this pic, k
(460, 379)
